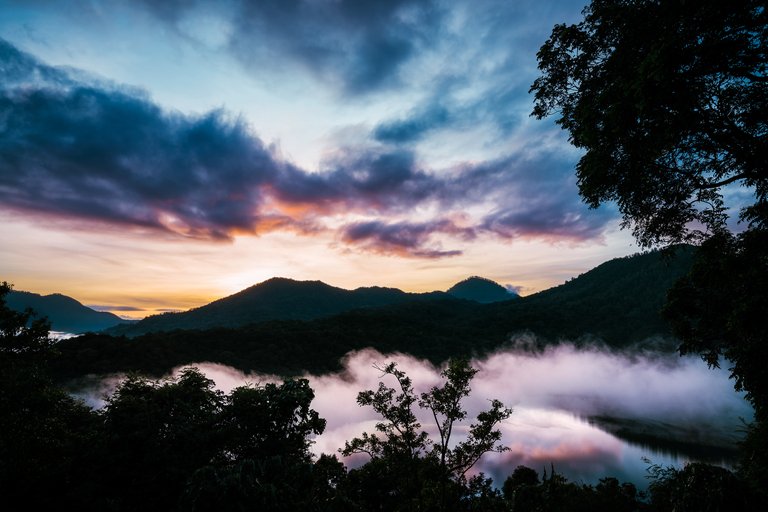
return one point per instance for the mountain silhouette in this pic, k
(617, 303)
(65, 313)
(480, 289)
(275, 299)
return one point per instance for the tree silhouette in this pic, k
(669, 100)
(45, 435)
(419, 469)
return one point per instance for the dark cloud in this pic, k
(107, 156)
(413, 127)
(404, 238)
(19, 68)
(549, 220)
(535, 196)
(487, 66)
(76, 148)
(365, 179)
(359, 45)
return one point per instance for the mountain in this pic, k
(275, 299)
(65, 313)
(480, 289)
(617, 303)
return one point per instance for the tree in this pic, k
(669, 100)
(409, 453)
(271, 420)
(21, 334)
(181, 436)
(697, 487)
(45, 435)
(155, 435)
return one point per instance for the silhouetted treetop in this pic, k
(670, 102)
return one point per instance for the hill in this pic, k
(65, 313)
(275, 299)
(480, 289)
(617, 303)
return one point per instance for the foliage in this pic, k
(159, 434)
(669, 100)
(408, 451)
(696, 488)
(274, 484)
(45, 434)
(271, 420)
(179, 444)
(719, 310)
(156, 434)
(21, 334)
(526, 493)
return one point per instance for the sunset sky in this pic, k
(158, 155)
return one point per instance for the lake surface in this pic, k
(589, 413)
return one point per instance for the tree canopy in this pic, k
(669, 100)
(424, 473)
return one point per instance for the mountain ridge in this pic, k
(616, 304)
(279, 298)
(65, 313)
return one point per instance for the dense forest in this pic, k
(180, 444)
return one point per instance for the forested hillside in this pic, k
(617, 303)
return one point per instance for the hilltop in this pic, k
(280, 298)
(617, 303)
(480, 289)
(65, 313)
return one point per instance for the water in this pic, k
(566, 403)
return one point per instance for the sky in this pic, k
(155, 156)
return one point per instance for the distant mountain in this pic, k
(617, 303)
(275, 299)
(480, 289)
(65, 313)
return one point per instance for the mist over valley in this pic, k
(562, 396)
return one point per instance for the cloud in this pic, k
(358, 46)
(533, 194)
(84, 149)
(100, 307)
(413, 127)
(365, 179)
(403, 238)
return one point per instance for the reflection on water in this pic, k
(542, 439)
(587, 412)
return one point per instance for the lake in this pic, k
(587, 412)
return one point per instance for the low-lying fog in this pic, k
(553, 394)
